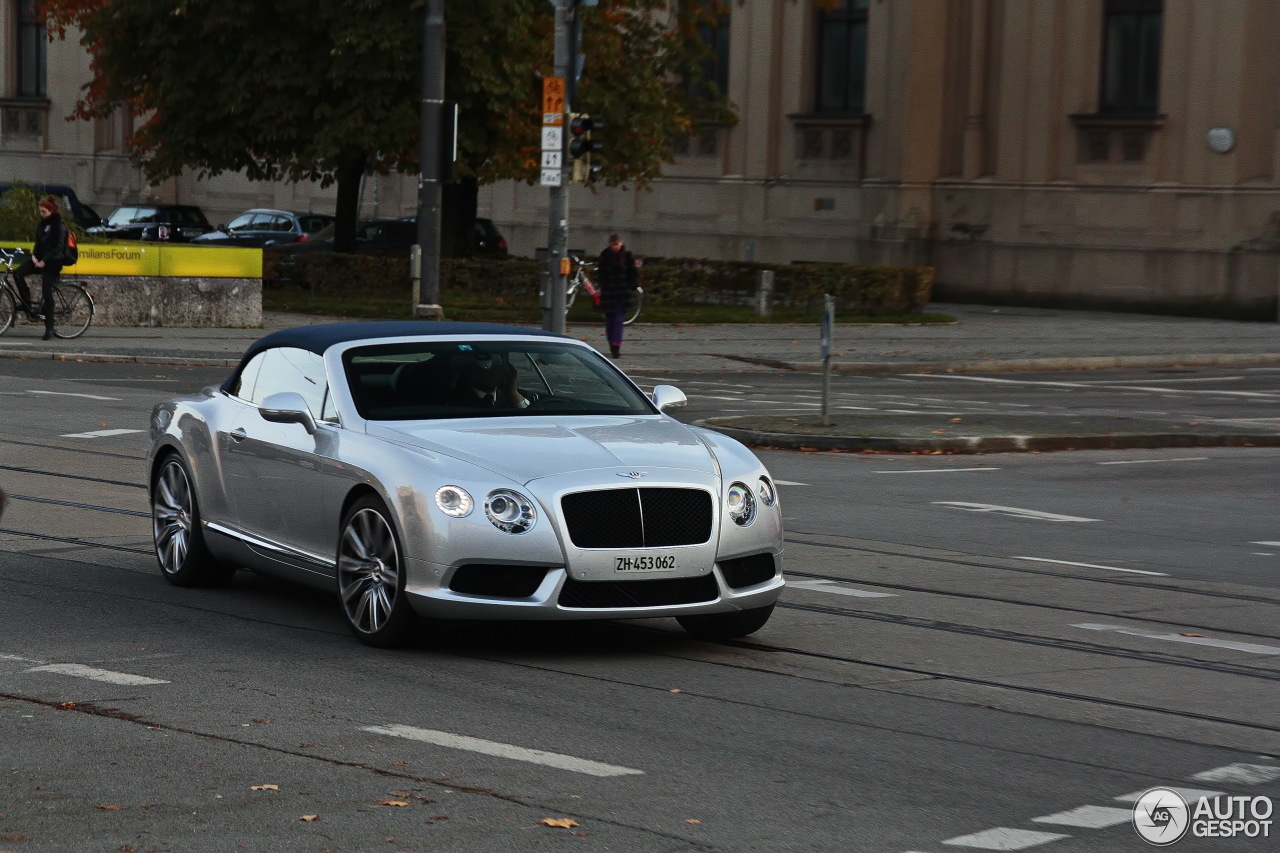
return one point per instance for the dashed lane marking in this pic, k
(504, 750)
(1148, 461)
(789, 483)
(80, 671)
(69, 394)
(1240, 774)
(1088, 817)
(1251, 648)
(1004, 838)
(100, 433)
(1268, 544)
(830, 586)
(1191, 795)
(935, 470)
(1092, 566)
(1016, 512)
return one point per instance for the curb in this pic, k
(989, 444)
(1012, 365)
(120, 358)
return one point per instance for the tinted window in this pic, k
(123, 216)
(427, 379)
(312, 224)
(242, 222)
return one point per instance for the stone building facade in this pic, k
(1082, 153)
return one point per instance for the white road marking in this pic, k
(1268, 544)
(81, 671)
(68, 394)
(1240, 774)
(101, 433)
(935, 470)
(504, 750)
(1165, 381)
(1191, 795)
(789, 483)
(860, 408)
(1014, 511)
(1088, 817)
(1092, 566)
(17, 659)
(829, 586)
(1251, 648)
(1004, 838)
(1155, 388)
(1147, 461)
(737, 399)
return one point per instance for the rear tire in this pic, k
(371, 576)
(726, 626)
(184, 558)
(72, 311)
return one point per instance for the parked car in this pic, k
(178, 223)
(488, 240)
(83, 215)
(464, 470)
(266, 227)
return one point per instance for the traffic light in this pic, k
(580, 142)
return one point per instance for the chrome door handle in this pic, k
(238, 434)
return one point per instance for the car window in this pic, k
(122, 216)
(188, 216)
(433, 379)
(147, 214)
(279, 225)
(312, 224)
(290, 369)
(242, 222)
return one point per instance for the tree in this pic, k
(325, 89)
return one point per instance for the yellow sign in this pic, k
(552, 101)
(162, 259)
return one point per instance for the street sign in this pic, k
(551, 177)
(552, 159)
(553, 101)
(552, 139)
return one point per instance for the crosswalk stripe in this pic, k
(504, 750)
(1004, 838)
(81, 671)
(99, 433)
(1191, 795)
(830, 586)
(1088, 817)
(1240, 774)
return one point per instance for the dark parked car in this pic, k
(178, 223)
(264, 227)
(487, 240)
(385, 237)
(84, 215)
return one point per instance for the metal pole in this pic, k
(426, 255)
(558, 217)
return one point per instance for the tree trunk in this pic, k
(349, 172)
(459, 220)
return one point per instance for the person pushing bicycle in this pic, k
(46, 258)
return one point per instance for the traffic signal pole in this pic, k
(426, 254)
(553, 175)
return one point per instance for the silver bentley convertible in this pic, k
(462, 471)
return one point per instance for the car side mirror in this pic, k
(668, 397)
(288, 407)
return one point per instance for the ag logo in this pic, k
(1161, 816)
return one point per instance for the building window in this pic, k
(32, 43)
(713, 33)
(1131, 56)
(842, 58)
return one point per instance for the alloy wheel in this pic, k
(368, 571)
(171, 517)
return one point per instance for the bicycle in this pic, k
(581, 281)
(72, 304)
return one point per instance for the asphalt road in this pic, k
(981, 659)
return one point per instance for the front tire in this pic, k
(184, 558)
(72, 311)
(8, 310)
(371, 576)
(726, 626)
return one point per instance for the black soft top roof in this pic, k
(320, 337)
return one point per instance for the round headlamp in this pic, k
(510, 512)
(764, 488)
(454, 501)
(740, 504)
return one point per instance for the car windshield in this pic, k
(458, 379)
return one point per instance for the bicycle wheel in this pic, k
(72, 311)
(570, 291)
(635, 312)
(8, 310)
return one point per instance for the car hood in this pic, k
(528, 448)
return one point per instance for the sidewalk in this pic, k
(983, 339)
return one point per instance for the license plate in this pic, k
(646, 563)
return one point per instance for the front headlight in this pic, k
(764, 488)
(454, 501)
(740, 504)
(510, 512)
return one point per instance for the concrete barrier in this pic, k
(164, 284)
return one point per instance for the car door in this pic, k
(276, 472)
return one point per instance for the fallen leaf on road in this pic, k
(691, 820)
(67, 705)
(398, 763)
(309, 817)
(561, 822)
(1189, 634)
(264, 787)
(392, 803)
(107, 808)
(675, 690)
(17, 838)
(939, 432)
(264, 722)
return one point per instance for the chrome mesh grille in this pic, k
(638, 518)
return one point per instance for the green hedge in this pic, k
(867, 291)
